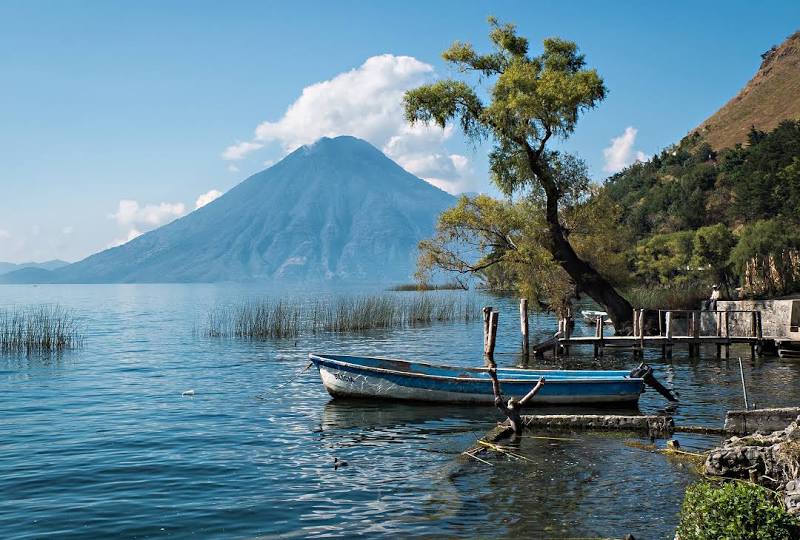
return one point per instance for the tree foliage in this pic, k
(531, 101)
(767, 257)
(688, 185)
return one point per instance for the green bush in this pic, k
(734, 511)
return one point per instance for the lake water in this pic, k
(100, 443)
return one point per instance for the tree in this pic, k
(531, 101)
(711, 250)
(767, 257)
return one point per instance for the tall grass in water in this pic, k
(255, 320)
(265, 319)
(38, 329)
(687, 297)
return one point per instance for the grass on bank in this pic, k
(685, 297)
(36, 329)
(267, 319)
(449, 286)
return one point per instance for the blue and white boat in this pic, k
(369, 377)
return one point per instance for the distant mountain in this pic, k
(6, 267)
(771, 96)
(336, 210)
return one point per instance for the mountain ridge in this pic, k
(771, 96)
(335, 210)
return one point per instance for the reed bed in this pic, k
(267, 319)
(685, 297)
(35, 329)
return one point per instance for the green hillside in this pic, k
(700, 216)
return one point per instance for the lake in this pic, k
(100, 442)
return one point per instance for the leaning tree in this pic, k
(523, 103)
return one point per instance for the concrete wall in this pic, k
(775, 316)
(763, 420)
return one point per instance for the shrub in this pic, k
(735, 510)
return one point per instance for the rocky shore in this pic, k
(770, 460)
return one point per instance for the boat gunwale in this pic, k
(605, 380)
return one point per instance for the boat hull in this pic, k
(346, 380)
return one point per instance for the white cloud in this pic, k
(367, 102)
(206, 198)
(4, 234)
(621, 152)
(239, 150)
(133, 233)
(233, 168)
(66, 231)
(130, 212)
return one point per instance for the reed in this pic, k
(267, 319)
(448, 286)
(686, 297)
(33, 329)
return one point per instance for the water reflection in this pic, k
(100, 443)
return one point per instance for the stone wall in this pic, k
(775, 315)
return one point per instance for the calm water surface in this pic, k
(100, 442)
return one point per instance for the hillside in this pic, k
(6, 267)
(337, 210)
(771, 96)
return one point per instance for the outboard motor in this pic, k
(645, 373)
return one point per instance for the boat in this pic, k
(590, 316)
(347, 376)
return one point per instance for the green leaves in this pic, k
(445, 101)
(533, 98)
(735, 510)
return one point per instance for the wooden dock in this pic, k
(720, 329)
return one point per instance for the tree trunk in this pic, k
(586, 278)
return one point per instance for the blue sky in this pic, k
(118, 116)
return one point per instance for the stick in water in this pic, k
(744, 388)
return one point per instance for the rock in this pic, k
(772, 461)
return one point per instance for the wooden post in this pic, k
(567, 333)
(726, 330)
(669, 326)
(641, 330)
(600, 331)
(753, 333)
(636, 349)
(759, 334)
(523, 325)
(661, 334)
(719, 333)
(487, 311)
(696, 333)
(492, 336)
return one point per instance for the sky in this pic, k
(118, 117)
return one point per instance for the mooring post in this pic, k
(487, 315)
(489, 350)
(641, 330)
(668, 324)
(753, 334)
(600, 331)
(719, 333)
(759, 334)
(523, 325)
(727, 333)
(696, 333)
(636, 349)
(567, 333)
